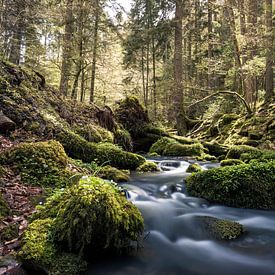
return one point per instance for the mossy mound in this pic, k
(235, 152)
(245, 186)
(181, 150)
(231, 162)
(160, 146)
(110, 173)
(184, 140)
(148, 166)
(194, 168)
(40, 254)
(4, 209)
(39, 163)
(93, 216)
(103, 153)
(216, 149)
(222, 229)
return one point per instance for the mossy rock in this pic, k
(216, 149)
(143, 144)
(39, 163)
(184, 140)
(111, 173)
(123, 139)
(231, 162)
(4, 208)
(181, 150)
(236, 151)
(103, 153)
(223, 230)
(246, 186)
(194, 168)
(40, 254)
(160, 146)
(206, 157)
(148, 166)
(250, 142)
(9, 233)
(93, 216)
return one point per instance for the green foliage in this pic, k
(40, 163)
(247, 185)
(94, 215)
(215, 149)
(9, 233)
(4, 209)
(103, 153)
(181, 150)
(194, 168)
(160, 146)
(148, 166)
(114, 174)
(260, 156)
(236, 151)
(227, 119)
(223, 229)
(231, 162)
(123, 139)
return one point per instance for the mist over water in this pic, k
(175, 243)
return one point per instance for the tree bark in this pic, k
(67, 49)
(178, 71)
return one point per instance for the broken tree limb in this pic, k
(242, 100)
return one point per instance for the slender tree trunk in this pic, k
(147, 73)
(269, 83)
(82, 94)
(95, 40)
(154, 76)
(143, 75)
(210, 42)
(67, 49)
(178, 71)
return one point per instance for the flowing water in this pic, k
(175, 243)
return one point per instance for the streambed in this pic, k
(174, 242)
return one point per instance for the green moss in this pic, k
(231, 162)
(103, 153)
(4, 209)
(235, 152)
(9, 233)
(40, 163)
(89, 132)
(247, 185)
(148, 166)
(206, 157)
(260, 156)
(92, 216)
(227, 119)
(181, 150)
(215, 149)
(154, 154)
(123, 139)
(37, 246)
(114, 174)
(223, 229)
(194, 168)
(184, 140)
(161, 145)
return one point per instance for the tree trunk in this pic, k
(95, 40)
(210, 42)
(269, 84)
(178, 71)
(67, 49)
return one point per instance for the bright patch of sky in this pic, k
(116, 6)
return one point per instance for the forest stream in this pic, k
(175, 244)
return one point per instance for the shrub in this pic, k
(262, 156)
(180, 150)
(148, 166)
(194, 168)
(40, 163)
(247, 185)
(110, 173)
(231, 162)
(93, 216)
(236, 151)
(102, 153)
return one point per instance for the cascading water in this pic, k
(175, 243)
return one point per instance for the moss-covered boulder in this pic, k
(194, 168)
(160, 146)
(111, 173)
(39, 163)
(103, 153)
(231, 162)
(40, 254)
(181, 150)
(216, 149)
(148, 166)
(246, 186)
(222, 229)
(236, 151)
